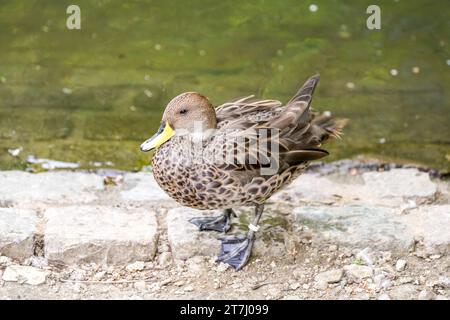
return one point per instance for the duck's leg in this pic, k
(220, 223)
(237, 250)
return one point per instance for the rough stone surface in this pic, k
(400, 265)
(357, 272)
(21, 188)
(377, 227)
(330, 276)
(25, 274)
(185, 239)
(17, 232)
(100, 234)
(400, 183)
(142, 187)
(404, 292)
(431, 223)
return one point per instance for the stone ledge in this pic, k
(22, 188)
(17, 232)
(100, 234)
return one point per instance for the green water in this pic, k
(131, 57)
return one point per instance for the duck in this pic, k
(236, 154)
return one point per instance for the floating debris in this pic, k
(394, 72)
(37, 67)
(15, 152)
(45, 28)
(448, 62)
(202, 53)
(67, 90)
(52, 164)
(2, 79)
(313, 8)
(158, 47)
(147, 77)
(133, 108)
(148, 93)
(411, 204)
(416, 70)
(350, 85)
(382, 141)
(327, 113)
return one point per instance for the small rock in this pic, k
(426, 295)
(99, 275)
(189, 288)
(400, 265)
(222, 267)
(357, 272)
(331, 276)
(321, 285)
(179, 283)
(25, 274)
(384, 296)
(165, 259)
(403, 292)
(404, 280)
(294, 286)
(136, 266)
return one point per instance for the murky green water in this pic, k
(96, 94)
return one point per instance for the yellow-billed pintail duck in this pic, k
(237, 154)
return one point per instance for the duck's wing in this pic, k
(299, 131)
(236, 113)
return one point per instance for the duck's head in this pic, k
(189, 113)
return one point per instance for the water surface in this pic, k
(94, 95)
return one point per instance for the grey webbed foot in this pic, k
(220, 223)
(236, 251)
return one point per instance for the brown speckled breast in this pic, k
(205, 186)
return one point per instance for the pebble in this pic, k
(99, 275)
(426, 295)
(189, 288)
(165, 259)
(222, 267)
(400, 265)
(294, 286)
(357, 272)
(321, 285)
(331, 276)
(384, 296)
(136, 266)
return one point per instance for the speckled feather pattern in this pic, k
(203, 184)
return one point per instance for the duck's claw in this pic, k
(236, 251)
(220, 223)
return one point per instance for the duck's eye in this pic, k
(183, 111)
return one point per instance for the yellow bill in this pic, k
(165, 132)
